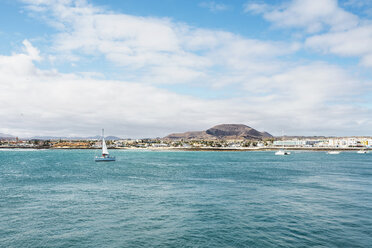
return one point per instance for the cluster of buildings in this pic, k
(341, 142)
(332, 142)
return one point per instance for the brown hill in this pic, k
(224, 131)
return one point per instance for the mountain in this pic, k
(112, 138)
(223, 131)
(97, 137)
(5, 136)
(190, 135)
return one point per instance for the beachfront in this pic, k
(341, 143)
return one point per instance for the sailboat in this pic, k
(105, 154)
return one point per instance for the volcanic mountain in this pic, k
(223, 131)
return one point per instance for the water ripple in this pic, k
(184, 199)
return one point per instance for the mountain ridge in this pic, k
(97, 137)
(222, 131)
(6, 136)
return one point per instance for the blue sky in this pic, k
(147, 68)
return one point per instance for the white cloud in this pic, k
(48, 102)
(311, 15)
(310, 85)
(306, 99)
(32, 52)
(357, 4)
(317, 96)
(20, 63)
(179, 52)
(347, 36)
(257, 7)
(353, 42)
(213, 6)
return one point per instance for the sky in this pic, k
(142, 68)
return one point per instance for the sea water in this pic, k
(62, 198)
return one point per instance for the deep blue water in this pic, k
(62, 198)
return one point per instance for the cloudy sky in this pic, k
(142, 68)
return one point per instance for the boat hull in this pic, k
(103, 159)
(282, 153)
(333, 152)
(362, 152)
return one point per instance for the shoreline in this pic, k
(224, 149)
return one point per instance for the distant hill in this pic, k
(223, 131)
(6, 136)
(97, 137)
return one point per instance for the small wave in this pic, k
(223, 180)
(133, 177)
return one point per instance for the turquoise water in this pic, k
(62, 198)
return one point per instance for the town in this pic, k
(194, 144)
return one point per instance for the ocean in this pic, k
(62, 198)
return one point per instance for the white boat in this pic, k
(333, 152)
(362, 151)
(282, 152)
(105, 154)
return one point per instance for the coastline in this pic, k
(221, 149)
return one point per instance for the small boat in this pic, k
(333, 152)
(362, 151)
(105, 154)
(282, 152)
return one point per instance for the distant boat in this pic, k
(282, 152)
(362, 151)
(333, 152)
(105, 154)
